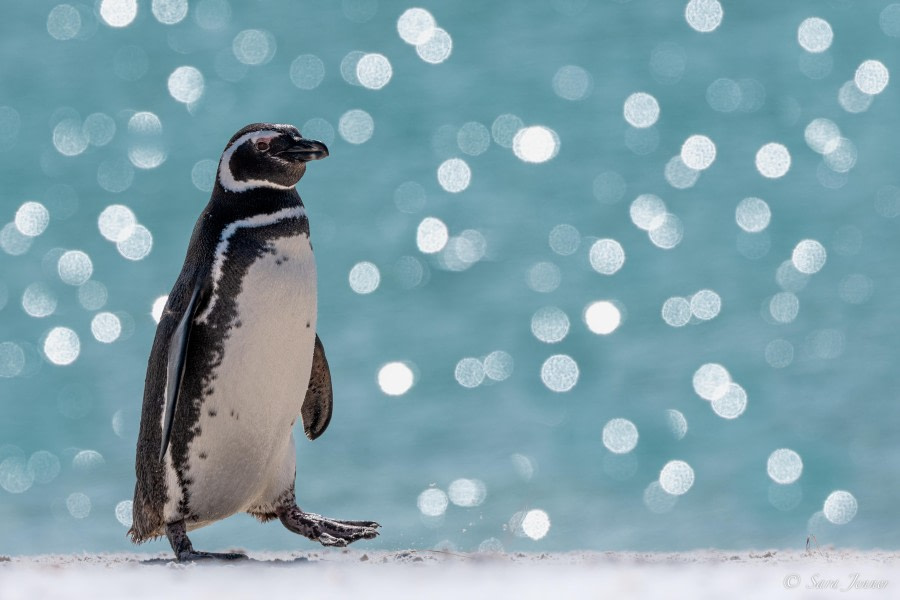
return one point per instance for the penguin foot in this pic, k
(184, 551)
(194, 555)
(328, 532)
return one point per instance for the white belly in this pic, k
(244, 454)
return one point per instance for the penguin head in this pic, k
(267, 155)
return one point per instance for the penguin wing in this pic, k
(316, 409)
(178, 344)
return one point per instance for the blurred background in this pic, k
(608, 274)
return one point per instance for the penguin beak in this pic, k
(306, 150)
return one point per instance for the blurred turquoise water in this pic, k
(93, 115)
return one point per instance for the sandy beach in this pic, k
(435, 575)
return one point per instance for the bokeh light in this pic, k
(454, 175)
(889, 20)
(63, 22)
(437, 48)
(698, 152)
(498, 365)
(473, 138)
(307, 71)
(704, 15)
(646, 210)
(536, 524)
(469, 372)
(356, 126)
(374, 71)
(186, 84)
(123, 512)
(395, 378)
(560, 373)
(678, 424)
(784, 466)
(871, 77)
(572, 82)
(32, 218)
(137, 245)
(620, 436)
(564, 239)
(840, 507)
(679, 175)
(732, 403)
(602, 317)
(773, 160)
(504, 129)
(666, 231)
(12, 359)
(535, 144)
(752, 215)
(364, 277)
(705, 305)
(39, 300)
(106, 327)
(433, 502)
(809, 256)
(657, 500)
(431, 235)
(815, 35)
(550, 324)
(544, 277)
(607, 256)
(416, 26)
(254, 47)
(118, 13)
(169, 12)
(676, 477)
(467, 492)
(676, 311)
(75, 267)
(711, 381)
(62, 346)
(641, 110)
(852, 99)
(116, 222)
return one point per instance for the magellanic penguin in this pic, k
(236, 358)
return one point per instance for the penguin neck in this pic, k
(233, 206)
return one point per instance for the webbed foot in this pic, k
(192, 555)
(328, 532)
(184, 551)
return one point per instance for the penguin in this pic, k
(236, 359)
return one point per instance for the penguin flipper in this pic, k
(316, 409)
(178, 345)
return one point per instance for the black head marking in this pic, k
(267, 155)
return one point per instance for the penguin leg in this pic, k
(328, 532)
(184, 551)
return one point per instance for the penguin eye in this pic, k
(262, 146)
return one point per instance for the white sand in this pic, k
(422, 574)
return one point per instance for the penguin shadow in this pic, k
(274, 563)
